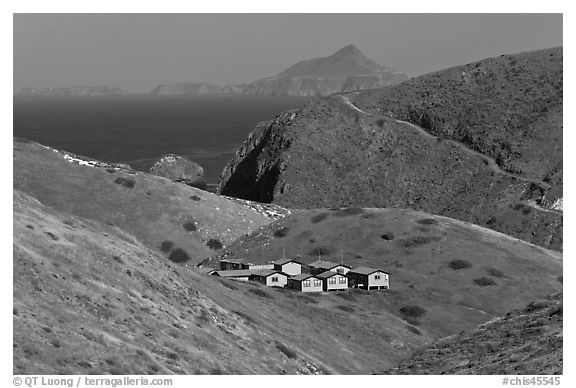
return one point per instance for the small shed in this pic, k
(290, 267)
(242, 274)
(319, 266)
(333, 281)
(305, 282)
(369, 278)
(269, 277)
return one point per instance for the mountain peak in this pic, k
(350, 50)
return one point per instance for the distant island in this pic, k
(100, 90)
(346, 70)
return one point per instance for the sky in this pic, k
(137, 52)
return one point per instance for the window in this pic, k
(332, 280)
(376, 277)
(340, 270)
(306, 283)
(317, 283)
(274, 279)
(342, 280)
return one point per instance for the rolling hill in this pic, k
(182, 222)
(481, 143)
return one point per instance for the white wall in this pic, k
(383, 281)
(338, 285)
(282, 280)
(312, 287)
(292, 269)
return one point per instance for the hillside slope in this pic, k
(181, 221)
(460, 273)
(89, 298)
(524, 341)
(334, 153)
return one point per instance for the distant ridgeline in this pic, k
(346, 70)
(73, 91)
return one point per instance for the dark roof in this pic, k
(367, 270)
(302, 276)
(329, 274)
(323, 264)
(284, 261)
(266, 272)
(235, 274)
(242, 261)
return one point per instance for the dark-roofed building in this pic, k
(305, 282)
(240, 274)
(333, 281)
(369, 278)
(233, 264)
(269, 277)
(290, 267)
(319, 266)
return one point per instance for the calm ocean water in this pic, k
(138, 129)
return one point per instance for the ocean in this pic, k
(138, 129)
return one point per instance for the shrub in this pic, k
(118, 259)
(166, 246)
(214, 244)
(178, 255)
(484, 281)
(459, 264)
(412, 311)
(388, 236)
(111, 170)
(319, 218)
(323, 251)
(52, 236)
(190, 226)
(346, 308)
(560, 279)
(495, 273)
(126, 182)
(380, 122)
(281, 232)
(351, 211)
(414, 330)
(427, 221)
(286, 350)
(415, 241)
(195, 198)
(247, 317)
(259, 292)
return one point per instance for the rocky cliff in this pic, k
(73, 91)
(180, 169)
(489, 170)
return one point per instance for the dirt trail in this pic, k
(490, 162)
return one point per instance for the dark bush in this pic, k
(247, 317)
(560, 279)
(214, 244)
(427, 221)
(414, 330)
(380, 122)
(346, 308)
(319, 218)
(322, 251)
(412, 311)
(30, 227)
(178, 255)
(111, 170)
(415, 241)
(195, 198)
(166, 246)
(190, 226)
(491, 221)
(259, 292)
(52, 236)
(126, 182)
(388, 236)
(286, 350)
(281, 232)
(351, 211)
(228, 284)
(118, 259)
(495, 273)
(484, 281)
(459, 264)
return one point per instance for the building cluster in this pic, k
(317, 276)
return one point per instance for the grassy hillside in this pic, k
(524, 341)
(184, 223)
(330, 154)
(459, 273)
(509, 108)
(89, 298)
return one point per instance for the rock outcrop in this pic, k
(410, 146)
(73, 91)
(181, 170)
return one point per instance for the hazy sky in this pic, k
(139, 51)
